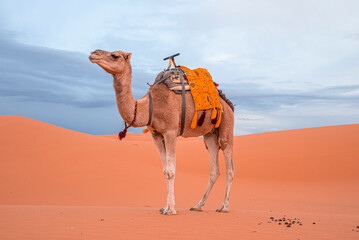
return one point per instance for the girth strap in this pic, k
(150, 108)
(183, 117)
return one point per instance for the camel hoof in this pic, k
(195, 209)
(222, 210)
(168, 211)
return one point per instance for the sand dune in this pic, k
(61, 184)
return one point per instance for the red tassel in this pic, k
(123, 133)
(201, 119)
(214, 121)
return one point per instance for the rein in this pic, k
(123, 133)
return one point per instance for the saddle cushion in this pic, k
(204, 93)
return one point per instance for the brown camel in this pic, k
(165, 125)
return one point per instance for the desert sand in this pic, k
(60, 184)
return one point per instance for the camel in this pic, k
(165, 125)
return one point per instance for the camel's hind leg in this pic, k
(211, 141)
(228, 157)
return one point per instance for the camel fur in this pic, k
(166, 122)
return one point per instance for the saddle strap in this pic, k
(160, 81)
(150, 108)
(183, 117)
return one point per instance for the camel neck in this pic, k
(126, 102)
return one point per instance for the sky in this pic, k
(284, 64)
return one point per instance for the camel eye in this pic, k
(114, 56)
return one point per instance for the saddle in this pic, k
(172, 79)
(199, 83)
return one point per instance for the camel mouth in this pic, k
(94, 59)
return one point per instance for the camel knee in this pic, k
(169, 173)
(214, 175)
(230, 174)
(222, 144)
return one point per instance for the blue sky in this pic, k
(285, 64)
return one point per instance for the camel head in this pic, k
(112, 62)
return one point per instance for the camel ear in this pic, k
(127, 56)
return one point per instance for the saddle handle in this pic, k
(172, 60)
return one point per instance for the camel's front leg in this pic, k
(160, 144)
(170, 171)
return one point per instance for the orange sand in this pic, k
(60, 184)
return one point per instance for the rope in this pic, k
(123, 133)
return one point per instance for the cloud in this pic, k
(31, 73)
(261, 110)
(60, 87)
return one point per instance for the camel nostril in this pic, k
(98, 51)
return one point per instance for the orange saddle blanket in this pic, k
(204, 93)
